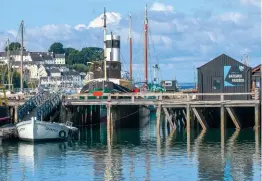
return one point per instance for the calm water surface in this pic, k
(133, 154)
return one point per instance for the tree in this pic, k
(14, 46)
(57, 48)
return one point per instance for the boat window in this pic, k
(114, 66)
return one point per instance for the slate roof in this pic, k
(59, 55)
(49, 71)
(70, 73)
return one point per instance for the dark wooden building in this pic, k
(224, 75)
(256, 77)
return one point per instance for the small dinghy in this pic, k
(35, 130)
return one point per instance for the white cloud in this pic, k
(251, 2)
(231, 16)
(81, 27)
(111, 18)
(161, 7)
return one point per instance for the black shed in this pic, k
(224, 75)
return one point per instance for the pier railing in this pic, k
(149, 98)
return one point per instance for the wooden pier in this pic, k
(178, 108)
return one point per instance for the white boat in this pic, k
(35, 130)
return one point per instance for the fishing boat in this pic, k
(34, 130)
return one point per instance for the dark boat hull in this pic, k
(4, 117)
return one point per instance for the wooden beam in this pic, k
(200, 118)
(234, 117)
(169, 118)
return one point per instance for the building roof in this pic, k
(54, 66)
(12, 53)
(70, 73)
(49, 71)
(257, 68)
(220, 57)
(59, 55)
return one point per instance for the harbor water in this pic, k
(136, 154)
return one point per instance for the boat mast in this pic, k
(130, 45)
(146, 45)
(8, 63)
(105, 44)
(22, 49)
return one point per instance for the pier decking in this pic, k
(190, 103)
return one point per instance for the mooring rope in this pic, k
(126, 115)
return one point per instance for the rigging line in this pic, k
(137, 55)
(150, 35)
(127, 115)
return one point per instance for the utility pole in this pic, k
(22, 49)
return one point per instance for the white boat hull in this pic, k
(41, 130)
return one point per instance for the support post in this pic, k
(169, 118)
(188, 118)
(222, 117)
(109, 115)
(256, 116)
(158, 114)
(16, 114)
(234, 117)
(200, 119)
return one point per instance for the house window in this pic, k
(216, 84)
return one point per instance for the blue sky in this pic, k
(183, 34)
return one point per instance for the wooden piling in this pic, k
(16, 114)
(188, 119)
(88, 115)
(158, 115)
(109, 116)
(222, 117)
(200, 118)
(257, 117)
(169, 118)
(233, 117)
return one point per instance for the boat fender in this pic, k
(62, 134)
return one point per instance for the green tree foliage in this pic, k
(78, 59)
(14, 46)
(80, 67)
(57, 48)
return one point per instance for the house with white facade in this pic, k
(59, 58)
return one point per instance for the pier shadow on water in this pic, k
(137, 154)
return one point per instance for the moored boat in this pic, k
(34, 130)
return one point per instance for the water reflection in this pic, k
(137, 154)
